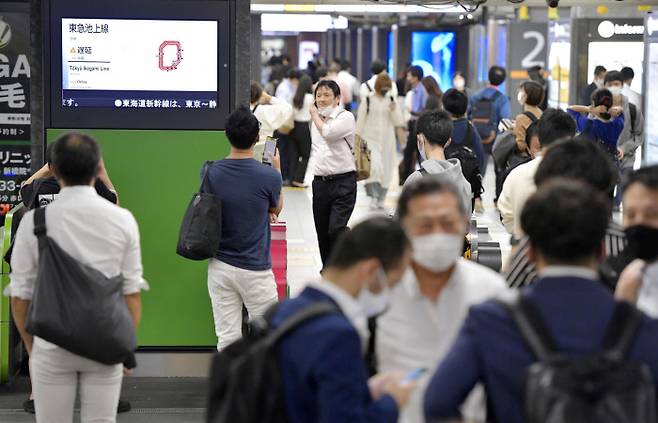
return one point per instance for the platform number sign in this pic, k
(536, 56)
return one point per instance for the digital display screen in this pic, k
(434, 52)
(389, 61)
(139, 64)
(614, 55)
(307, 52)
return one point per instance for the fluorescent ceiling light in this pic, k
(285, 22)
(354, 8)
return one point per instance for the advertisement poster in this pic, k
(15, 157)
(559, 63)
(435, 53)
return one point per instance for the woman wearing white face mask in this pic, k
(530, 96)
(334, 185)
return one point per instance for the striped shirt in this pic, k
(522, 271)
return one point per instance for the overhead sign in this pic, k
(616, 29)
(607, 29)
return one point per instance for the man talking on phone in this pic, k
(334, 186)
(250, 192)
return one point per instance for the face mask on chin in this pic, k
(326, 111)
(643, 242)
(437, 252)
(375, 304)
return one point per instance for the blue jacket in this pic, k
(458, 135)
(501, 106)
(323, 371)
(490, 349)
(607, 132)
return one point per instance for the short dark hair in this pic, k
(256, 92)
(377, 67)
(242, 128)
(555, 125)
(345, 64)
(598, 70)
(628, 73)
(380, 238)
(602, 97)
(566, 220)
(646, 176)
(321, 72)
(427, 185)
(497, 75)
(534, 92)
(455, 102)
(294, 74)
(416, 72)
(578, 159)
(328, 83)
(76, 157)
(613, 76)
(436, 126)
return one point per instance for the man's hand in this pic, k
(127, 372)
(630, 281)
(274, 219)
(400, 391)
(598, 110)
(314, 110)
(275, 159)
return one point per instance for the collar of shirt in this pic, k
(568, 271)
(335, 113)
(77, 190)
(348, 305)
(410, 282)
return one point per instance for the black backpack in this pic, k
(602, 387)
(482, 116)
(464, 152)
(245, 381)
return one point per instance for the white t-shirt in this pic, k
(647, 300)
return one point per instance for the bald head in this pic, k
(75, 159)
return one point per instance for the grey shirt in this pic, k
(451, 170)
(630, 140)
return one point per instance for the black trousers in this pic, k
(411, 155)
(284, 146)
(333, 203)
(299, 151)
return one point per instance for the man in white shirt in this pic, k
(334, 186)
(554, 125)
(431, 302)
(377, 67)
(286, 89)
(346, 78)
(633, 96)
(638, 283)
(96, 233)
(271, 112)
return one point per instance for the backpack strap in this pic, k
(468, 137)
(530, 324)
(40, 223)
(633, 111)
(255, 107)
(292, 322)
(423, 171)
(531, 116)
(621, 331)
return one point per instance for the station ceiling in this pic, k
(532, 3)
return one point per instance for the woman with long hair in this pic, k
(300, 139)
(434, 93)
(377, 119)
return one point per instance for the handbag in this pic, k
(201, 229)
(76, 307)
(362, 158)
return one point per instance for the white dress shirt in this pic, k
(518, 187)
(332, 147)
(647, 300)
(348, 305)
(271, 116)
(417, 333)
(89, 228)
(285, 91)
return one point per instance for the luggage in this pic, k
(201, 229)
(245, 381)
(78, 308)
(602, 387)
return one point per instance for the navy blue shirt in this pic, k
(248, 190)
(322, 369)
(459, 134)
(490, 349)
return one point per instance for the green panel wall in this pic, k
(156, 174)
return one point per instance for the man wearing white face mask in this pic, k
(433, 135)
(431, 302)
(321, 362)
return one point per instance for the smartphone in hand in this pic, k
(413, 376)
(270, 149)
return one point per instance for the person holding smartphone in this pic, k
(334, 186)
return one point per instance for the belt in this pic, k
(334, 177)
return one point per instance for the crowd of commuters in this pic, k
(441, 334)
